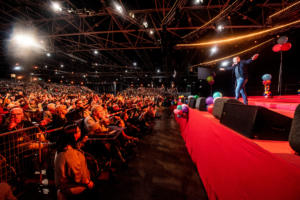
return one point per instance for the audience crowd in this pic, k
(83, 118)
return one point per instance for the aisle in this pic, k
(162, 169)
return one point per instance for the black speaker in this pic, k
(219, 104)
(294, 137)
(256, 121)
(192, 102)
(200, 104)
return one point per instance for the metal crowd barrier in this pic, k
(20, 152)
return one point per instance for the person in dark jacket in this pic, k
(239, 68)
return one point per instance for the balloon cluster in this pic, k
(181, 111)
(210, 80)
(282, 44)
(210, 101)
(267, 82)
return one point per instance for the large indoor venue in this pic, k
(149, 99)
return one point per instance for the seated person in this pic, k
(72, 176)
(97, 121)
(16, 120)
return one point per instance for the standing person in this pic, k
(241, 75)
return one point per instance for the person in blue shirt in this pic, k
(239, 68)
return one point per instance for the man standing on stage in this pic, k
(241, 75)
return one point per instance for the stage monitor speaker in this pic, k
(200, 104)
(256, 121)
(294, 137)
(192, 102)
(219, 104)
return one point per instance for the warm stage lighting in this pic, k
(56, 7)
(284, 9)
(241, 37)
(230, 56)
(25, 40)
(151, 32)
(96, 52)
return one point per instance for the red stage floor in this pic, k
(285, 104)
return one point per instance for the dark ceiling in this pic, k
(84, 26)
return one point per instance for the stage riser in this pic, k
(256, 121)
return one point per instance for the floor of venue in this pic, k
(161, 168)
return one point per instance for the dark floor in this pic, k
(161, 169)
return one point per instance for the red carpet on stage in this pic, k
(232, 166)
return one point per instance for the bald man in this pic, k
(241, 75)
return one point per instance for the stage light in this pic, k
(31, 74)
(158, 71)
(17, 68)
(134, 64)
(96, 52)
(220, 27)
(196, 2)
(126, 71)
(119, 8)
(84, 76)
(224, 63)
(132, 15)
(48, 54)
(241, 37)
(151, 32)
(145, 24)
(25, 39)
(213, 50)
(62, 66)
(222, 69)
(46, 66)
(56, 7)
(19, 77)
(49, 80)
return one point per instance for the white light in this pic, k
(222, 69)
(96, 52)
(25, 40)
(134, 64)
(151, 32)
(158, 70)
(213, 50)
(119, 8)
(46, 66)
(17, 68)
(31, 74)
(145, 24)
(48, 54)
(198, 1)
(56, 7)
(132, 15)
(224, 63)
(220, 27)
(126, 70)
(62, 66)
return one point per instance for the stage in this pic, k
(233, 166)
(285, 104)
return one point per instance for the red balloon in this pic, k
(286, 46)
(210, 108)
(277, 47)
(179, 103)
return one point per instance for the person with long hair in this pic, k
(72, 176)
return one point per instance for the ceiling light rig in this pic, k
(56, 7)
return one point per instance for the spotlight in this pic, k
(213, 50)
(46, 66)
(25, 40)
(145, 24)
(96, 52)
(220, 27)
(62, 66)
(17, 68)
(132, 15)
(126, 71)
(134, 64)
(56, 7)
(158, 70)
(48, 54)
(151, 32)
(119, 8)
(196, 2)
(224, 63)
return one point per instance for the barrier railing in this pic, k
(20, 151)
